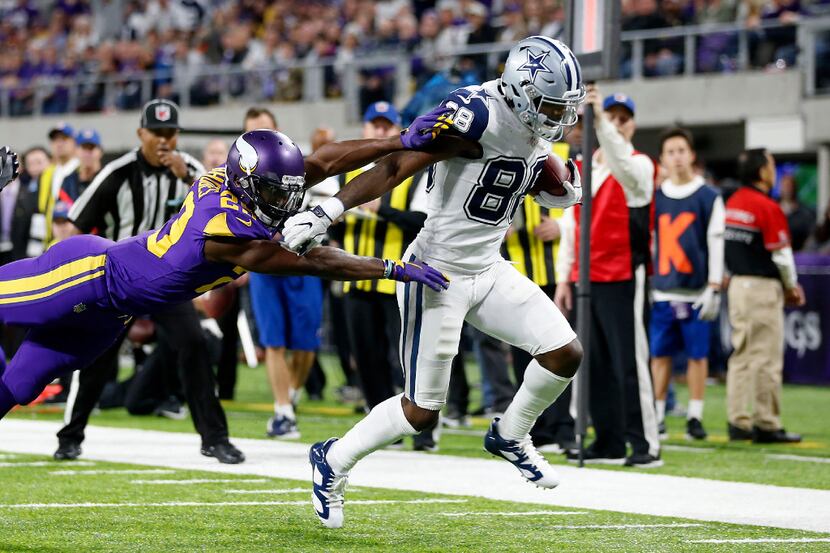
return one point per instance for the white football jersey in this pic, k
(471, 202)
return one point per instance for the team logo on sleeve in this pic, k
(535, 65)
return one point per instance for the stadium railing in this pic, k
(314, 80)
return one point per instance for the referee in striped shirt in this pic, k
(135, 193)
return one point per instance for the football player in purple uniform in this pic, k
(77, 298)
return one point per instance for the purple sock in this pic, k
(7, 400)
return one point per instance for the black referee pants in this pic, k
(374, 326)
(181, 331)
(620, 389)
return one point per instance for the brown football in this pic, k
(551, 177)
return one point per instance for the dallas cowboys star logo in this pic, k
(535, 64)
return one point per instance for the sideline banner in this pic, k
(807, 329)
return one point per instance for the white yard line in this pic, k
(113, 471)
(219, 503)
(622, 491)
(515, 514)
(765, 540)
(273, 492)
(12, 464)
(798, 458)
(621, 526)
(5, 456)
(686, 448)
(192, 481)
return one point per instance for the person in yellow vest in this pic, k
(384, 226)
(64, 161)
(531, 245)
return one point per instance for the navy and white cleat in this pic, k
(533, 467)
(282, 427)
(329, 488)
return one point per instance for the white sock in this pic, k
(660, 405)
(383, 425)
(695, 410)
(292, 394)
(286, 410)
(538, 391)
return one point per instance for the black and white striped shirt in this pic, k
(129, 196)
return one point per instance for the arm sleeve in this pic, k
(714, 241)
(784, 260)
(635, 172)
(565, 257)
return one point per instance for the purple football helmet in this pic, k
(265, 170)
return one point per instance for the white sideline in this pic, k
(623, 491)
(217, 503)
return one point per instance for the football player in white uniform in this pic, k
(497, 147)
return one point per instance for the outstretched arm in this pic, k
(340, 157)
(264, 256)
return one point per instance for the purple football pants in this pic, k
(61, 297)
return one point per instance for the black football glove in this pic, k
(9, 166)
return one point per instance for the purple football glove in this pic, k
(415, 271)
(426, 128)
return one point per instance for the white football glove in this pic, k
(708, 303)
(572, 196)
(306, 230)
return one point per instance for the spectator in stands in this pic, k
(621, 396)
(801, 219)
(764, 280)
(688, 270)
(822, 233)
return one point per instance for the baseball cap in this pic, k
(618, 99)
(160, 114)
(88, 136)
(61, 128)
(382, 109)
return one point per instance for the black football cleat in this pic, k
(738, 434)
(224, 452)
(67, 451)
(779, 436)
(695, 430)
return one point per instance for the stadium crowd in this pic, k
(61, 54)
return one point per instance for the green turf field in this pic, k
(44, 512)
(122, 512)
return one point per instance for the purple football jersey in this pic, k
(168, 266)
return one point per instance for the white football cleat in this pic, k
(329, 488)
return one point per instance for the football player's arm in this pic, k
(396, 168)
(335, 158)
(269, 257)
